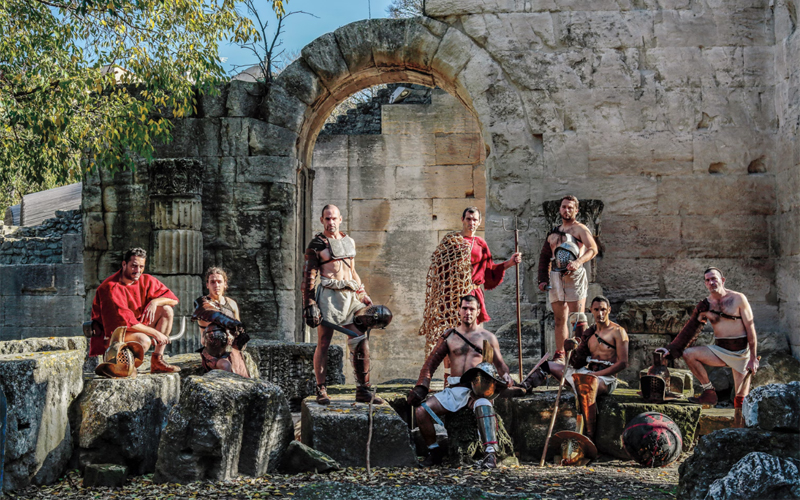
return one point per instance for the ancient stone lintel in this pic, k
(589, 213)
(176, 177)
(655, 316)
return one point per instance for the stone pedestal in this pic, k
(119, 421)
(340, 431)
(527, 419)
(39, 387)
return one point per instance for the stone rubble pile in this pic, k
(40, 244)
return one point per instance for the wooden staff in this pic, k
(555, 409)
(519, 315)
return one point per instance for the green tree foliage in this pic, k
(95, 82)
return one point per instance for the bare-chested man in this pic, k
(338, 301)
(735, 342)
(462, 346)
(600, 353)
(567, 248)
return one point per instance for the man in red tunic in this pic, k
(139, 302)
(446, 284)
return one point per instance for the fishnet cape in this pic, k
(449, 279)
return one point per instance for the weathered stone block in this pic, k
(39, 387)
(290, 365)
(714, 419)
(186, 288)
(120, 421)
(263, 169)
(655, 316)
(451, 57)
(323, 427)
(774, 407)
(528, 419)
(267, 139)
(391, 215)
(758, 475)
(177, 251)
(616, 411)
(411, 151)
(243, 98)
(324, 57)
(176, 213)
(355, 40)
(43, 310)
(212, 104)
(464, 444)
(107, 475)
(72, 248)
(284, 109)
(300, 81)
(300, 458)
(716, 453)
(29, 345)
(458, 149)
(224, 425)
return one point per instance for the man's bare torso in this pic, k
(614, 335)
(730, 304)
(336, 269)
(577, 231)
(462, 356)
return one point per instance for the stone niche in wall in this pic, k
(400, 192)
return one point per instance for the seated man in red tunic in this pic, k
(139, 302)
(461, 265)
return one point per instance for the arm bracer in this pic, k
(544, 263)
(432, 363)
(691, 330)
(582, 352)
(310, 272)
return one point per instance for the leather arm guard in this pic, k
(311, 312)
(417, 395)
(544, 263)
(432, 363)
(205, 311)
(582, 352)
(691, 330)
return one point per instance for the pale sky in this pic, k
(301, 29)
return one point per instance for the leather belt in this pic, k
(735, 344)
(596, 367)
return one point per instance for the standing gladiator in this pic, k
(567, 248)
(735, 342)
(462, 264)
(339, 302)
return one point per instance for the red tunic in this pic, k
(118, 305)
(484, 272)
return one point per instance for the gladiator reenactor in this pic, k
(131, 307)
(479, 375)
(565, 250)
(222, 333)
(597, 356)
(339, 303)
(735, 342)
(461, 265)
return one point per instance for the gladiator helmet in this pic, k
(374, 316)
(656, 384)
(121, 358)
(653, 440)
(484, 380)
(566, 253)
(215, 336)
(576, 449)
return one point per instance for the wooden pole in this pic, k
(555, 410)
(519, 316)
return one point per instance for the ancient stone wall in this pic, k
(787, 168)
(399, 193)
(41, 279)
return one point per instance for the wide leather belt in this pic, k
(736, 344)
(596, 367)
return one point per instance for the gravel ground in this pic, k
(601, 480)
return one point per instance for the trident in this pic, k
(519, 317)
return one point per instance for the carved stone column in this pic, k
(177, 255)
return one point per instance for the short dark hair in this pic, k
(327, 207)
(570, 198)
(600, 298)
(470, 298)
(471, 210)
(713, 269)
(134, 252)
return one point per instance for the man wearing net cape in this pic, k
(461, 265)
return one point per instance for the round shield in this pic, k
(484, 380)
(576, 449)
(652, 439)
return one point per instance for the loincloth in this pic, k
(453, 397)
(737, 360)
(610, 380)
(338, 301)
(568, 287)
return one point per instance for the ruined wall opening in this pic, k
(401, 164)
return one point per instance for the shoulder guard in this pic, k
(318, 243)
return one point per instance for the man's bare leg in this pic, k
(560, 315)
(163, 323)
(696, 358)
(428, 431)
(324, 337)
(741, 384)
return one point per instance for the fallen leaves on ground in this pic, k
(613, 479)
